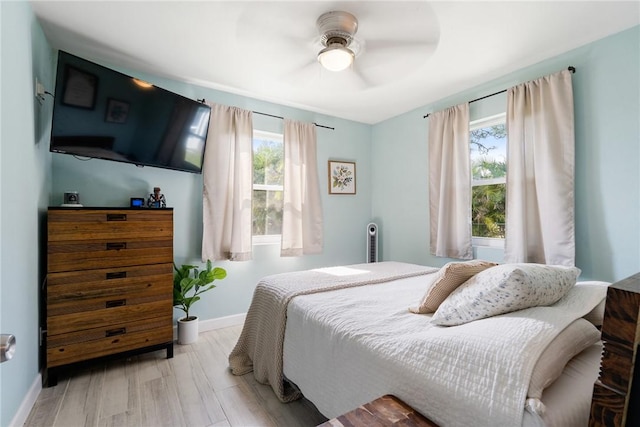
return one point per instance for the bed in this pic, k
(344, 336)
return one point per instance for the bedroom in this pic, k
(607, 129)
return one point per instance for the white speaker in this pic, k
(372, 242)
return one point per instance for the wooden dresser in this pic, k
(616, 393)
(109, 286)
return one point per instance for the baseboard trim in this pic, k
(217, 323)
(222, 322)
(27, 403)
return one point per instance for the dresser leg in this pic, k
(51, 377)
(170, 351)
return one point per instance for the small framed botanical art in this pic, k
(342, 177)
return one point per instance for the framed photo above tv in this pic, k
(80, 88)
(342, 177)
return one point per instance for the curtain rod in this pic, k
(570, 68)
(277, 117)
(282, 118)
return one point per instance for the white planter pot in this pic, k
(188, 330)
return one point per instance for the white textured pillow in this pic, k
(576, 337)
(503, 289)
(447, 279)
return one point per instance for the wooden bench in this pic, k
(385, 411)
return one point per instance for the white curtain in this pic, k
(450, 183)
(228, 185)
(302, 207)
(540, 176)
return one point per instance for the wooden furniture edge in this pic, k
(387, 410)
(616, 392)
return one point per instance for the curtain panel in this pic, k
(450, 183)
(540, 175)
(302, 223)
(228, 185)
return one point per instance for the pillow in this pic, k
(576, 337)
(446, 280)
(595, 316)
(503, 289)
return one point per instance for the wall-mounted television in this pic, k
(102, 113)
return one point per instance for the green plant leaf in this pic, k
(187, 286)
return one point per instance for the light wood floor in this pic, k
(195, 388)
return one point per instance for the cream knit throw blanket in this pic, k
(259, 347)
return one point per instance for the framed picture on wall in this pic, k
(80, 88)
(342, 177)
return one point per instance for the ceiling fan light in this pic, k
(336, 57)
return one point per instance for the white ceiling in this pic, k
(411, 53)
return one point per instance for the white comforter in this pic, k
(347, 347)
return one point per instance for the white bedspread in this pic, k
(259, 348)
(347, 347)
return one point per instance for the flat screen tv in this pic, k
(102, 113)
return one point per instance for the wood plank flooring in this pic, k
(195, 388)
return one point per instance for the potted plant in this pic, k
(188, 284)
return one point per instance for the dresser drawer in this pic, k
(150, 294)
(72, 286)
(81, 224)
(88, 344)
(86, 255)
(106, 317)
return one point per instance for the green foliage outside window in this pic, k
(268, 165)
(488, 202)
(268, 169)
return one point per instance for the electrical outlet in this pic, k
(39, 89)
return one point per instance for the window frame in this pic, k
(266, 239)
(501, 118)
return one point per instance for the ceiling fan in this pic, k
(364, 44)
(337, 29)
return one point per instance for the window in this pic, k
(268, 180)
(488, 148)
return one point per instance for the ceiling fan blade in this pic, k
(305, 75)
(391, 46)
(363, 80)
(382, 60)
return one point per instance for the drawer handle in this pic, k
(116, 303)
(116, 246)
(117, 275)
(116, 217)
(114, 332)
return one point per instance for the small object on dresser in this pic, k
(71, 199)
(156, 199)
(137, 202)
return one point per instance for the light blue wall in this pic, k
(607, 122)
(24, 193)
(105, 183)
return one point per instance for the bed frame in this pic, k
(616, 393)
